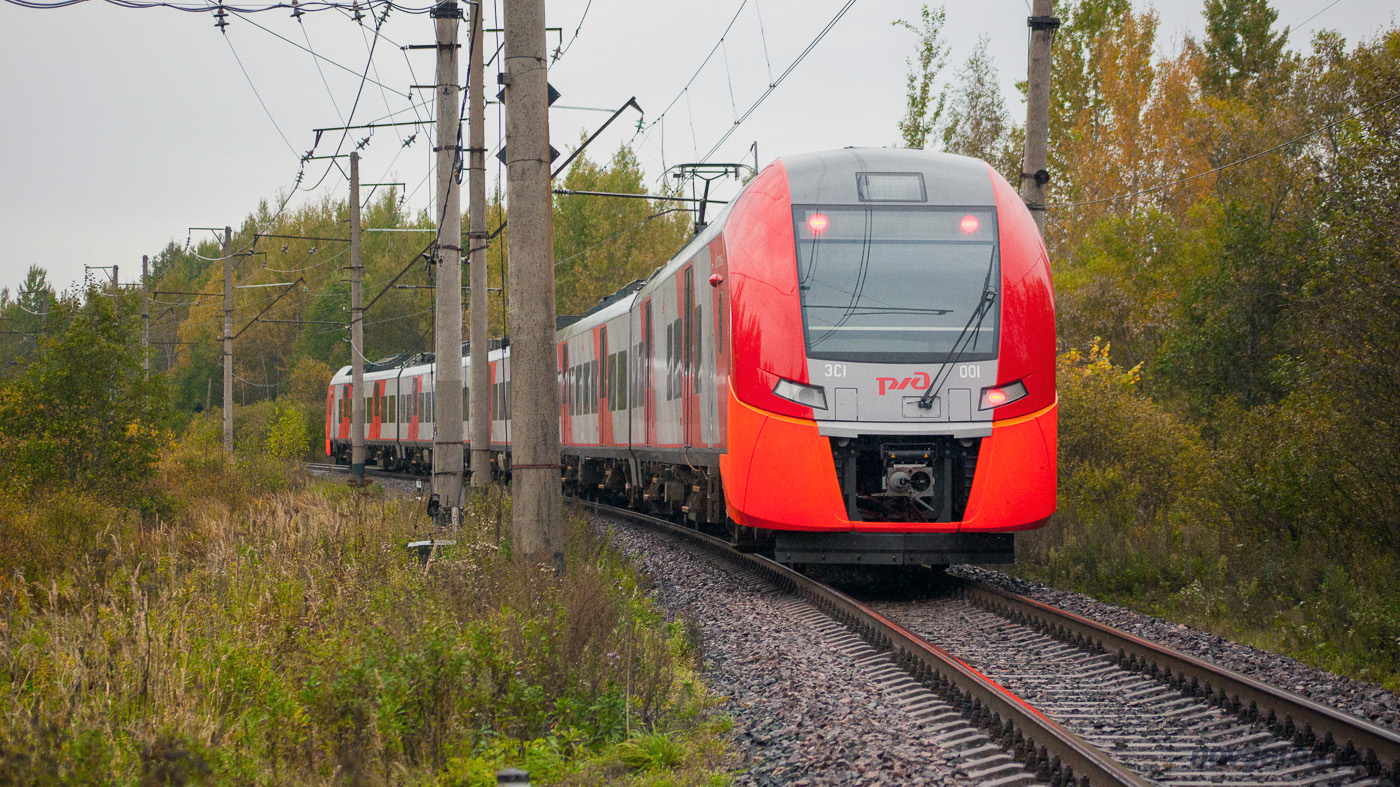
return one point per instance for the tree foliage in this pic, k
(978, 124)
(602, 243)
(83, 416)
(1242, 50)
(1223, 212)
(924, 105)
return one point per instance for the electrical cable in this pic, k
(312, 6)
(258, 95)
(560, 51)
(321, 71)
(293, 43)
(619, 234)
(364, 77)
(715, 48)
(1316, 15)
(763, 36)
(781, 77)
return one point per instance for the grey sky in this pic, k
(124, 127)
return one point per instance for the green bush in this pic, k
(1250, 533)
(287, 434)
(1131, 503)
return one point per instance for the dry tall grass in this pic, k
(272, 630)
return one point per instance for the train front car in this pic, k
(893, 379)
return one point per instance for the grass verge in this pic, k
(265, 628)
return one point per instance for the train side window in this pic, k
(611, 378)
(564, 375)
(670, 358)
(646, 351)
(466, 403)
(603, 380)
(393, 412)
(622, 389)
(507, 399)
(677, 371)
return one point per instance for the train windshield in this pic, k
(904, 285)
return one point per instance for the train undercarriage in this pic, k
(882, 477)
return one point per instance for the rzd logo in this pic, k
(919, 382)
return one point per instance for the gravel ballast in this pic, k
(1364, 700)
(803, 713)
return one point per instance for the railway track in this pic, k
(1071, 701)
(1079, 703)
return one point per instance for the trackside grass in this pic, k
(265, 628)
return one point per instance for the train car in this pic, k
(853, 363)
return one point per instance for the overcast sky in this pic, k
(123, 128)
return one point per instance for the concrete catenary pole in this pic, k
(1034, 174)
(536, 502)
(476, 243)
(228, 340)
(447, 412)
(145, 316)
(357, 331)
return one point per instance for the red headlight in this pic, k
(1002, 394)
(817, 223)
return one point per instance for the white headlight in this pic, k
(813, 396)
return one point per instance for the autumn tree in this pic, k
(978, 124)
(1242, 50)
(925, 105)
(602, 243)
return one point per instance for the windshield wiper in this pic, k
(967, 336)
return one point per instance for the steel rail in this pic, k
(1354, 741)
(1042, 744)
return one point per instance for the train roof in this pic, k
(894, 176)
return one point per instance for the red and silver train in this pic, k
(853, 363)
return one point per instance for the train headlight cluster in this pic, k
(813, 396)
(1005, 394)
